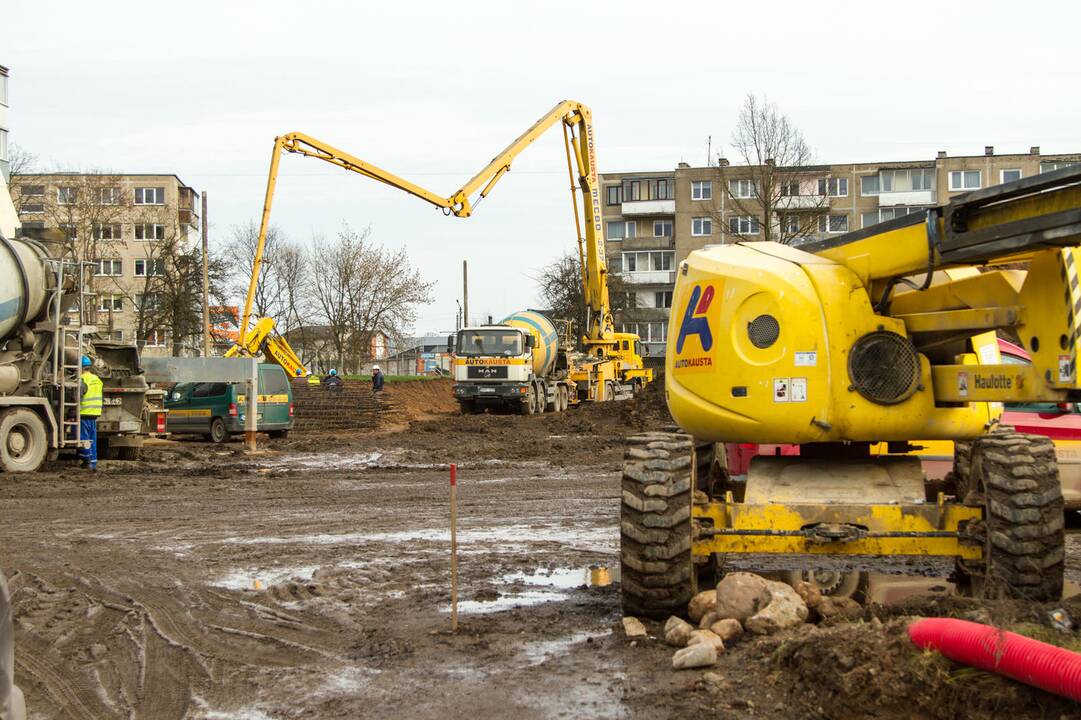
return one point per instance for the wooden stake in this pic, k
(453, 547)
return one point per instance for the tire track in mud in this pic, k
(69, 691)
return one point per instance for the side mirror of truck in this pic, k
(450, 344)
(530, 342)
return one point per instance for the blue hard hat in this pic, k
(86, 361)
(333, 371)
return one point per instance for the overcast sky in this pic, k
(432, 90)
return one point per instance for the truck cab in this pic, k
(493, 365)
(628, 352)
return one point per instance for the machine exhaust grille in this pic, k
(763, 331)
(884, 367)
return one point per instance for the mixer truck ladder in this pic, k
(68, 350)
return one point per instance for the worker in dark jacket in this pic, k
(332, 382)
(377, 378)
(90, 402)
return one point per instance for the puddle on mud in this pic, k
(542, 650)
(376, 459)
(553, 584)
(261, 579)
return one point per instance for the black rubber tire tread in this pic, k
(467, 407)
(128, 454)
(222, 435)
(655, 525)
(1016, 477)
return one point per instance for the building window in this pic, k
(1011, 175)
(109, 267)
(117, 335)
(615, 194)
(701, 190)
(33, 229)
(833, 223)
(107, 231)
(145, 268)
(619, 229)
(3, 144)
(965, 180)
(109, 196)
(151, 232)
(1049, 166)
(31, 208)
(71, 230)
(156, 338)
(110, 303)
(743, 225)
(906, 180)
(662, 299)
(34, 191)
(741, 189)
(632, 190)
(653, 261)
(869, 185)
(647, 331)
(662, 228)
(664, 190)
(147, 302)
(790, 188)
(701, 226)
(834, 187)
(66, 195)
(149, 196)
(3, 89)
(790, 223)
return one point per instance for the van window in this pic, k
(626, 345)
(202, 390)
(273, 382)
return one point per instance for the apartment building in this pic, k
(125, 225)
(8, 219)
(653, 220)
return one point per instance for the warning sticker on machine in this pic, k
(798, 389)
(780, 390)
(1065, 369)
(962, 384)
(806, 359)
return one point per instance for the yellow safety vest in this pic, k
(91, 402)
(313, 379)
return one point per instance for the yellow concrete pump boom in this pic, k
(577, 123)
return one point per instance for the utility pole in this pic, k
(465, 293)
(206, 284)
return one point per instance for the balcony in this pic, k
(666, 242)
(906, 197)
(649, 277)
(641, 208)
(792, 203)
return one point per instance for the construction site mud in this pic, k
(312, 580)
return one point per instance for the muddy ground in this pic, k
(312, 580)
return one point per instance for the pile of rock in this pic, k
(742, 602)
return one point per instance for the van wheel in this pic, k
(218, 433)
(23, 442)
(278, 434)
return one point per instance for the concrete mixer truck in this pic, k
(523, 363)
(42, 339)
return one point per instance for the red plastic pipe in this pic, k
(1036, 663)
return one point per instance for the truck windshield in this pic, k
(489, 342)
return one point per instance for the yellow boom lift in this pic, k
(611, 355)
(887, 334)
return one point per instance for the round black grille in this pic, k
(763, 331)
(884, 367)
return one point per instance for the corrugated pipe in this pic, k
(1032, 662)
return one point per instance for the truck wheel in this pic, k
(128, 454)
(467, 407)
(1015, 477)
(655, 525)
(23, 441)
(529, 405)
(609, 391)
(278, 434)
(552, 406)
(218, 433)
(106, 451)
(563, 399)
(833, 583)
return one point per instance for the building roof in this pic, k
(73, 173)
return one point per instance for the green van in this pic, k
(216, 409)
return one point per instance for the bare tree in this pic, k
(171, 292)
(562, 295)
(20, 160)
(774, 193)
(361, 290)
(269, 299)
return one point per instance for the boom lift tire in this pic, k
(23, 441)
(655, 525)
(1015, 477)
